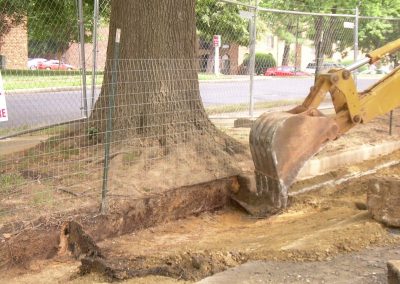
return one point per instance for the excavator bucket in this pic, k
(280, 144)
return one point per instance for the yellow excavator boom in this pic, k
(281, 143)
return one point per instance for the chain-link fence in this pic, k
(83, 127)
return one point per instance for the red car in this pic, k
(55, 65)
(284, 71)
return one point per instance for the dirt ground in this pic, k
(365, 267)
(318, 226)
(376, 131)
(37, 179)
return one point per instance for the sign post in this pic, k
(3, 106)
(217, 45)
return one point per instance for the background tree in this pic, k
(218, 18)
(53, 26)
(372, 33)
(12, 13)
(215, 17)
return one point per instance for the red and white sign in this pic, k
(3, 106)
(217, 41)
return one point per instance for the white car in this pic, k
(311, 67)
(34, 62)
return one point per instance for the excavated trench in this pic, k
(320, 223)
(175, 235)
(40, 239)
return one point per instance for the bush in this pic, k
(263, 62)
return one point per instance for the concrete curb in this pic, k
(322, 165)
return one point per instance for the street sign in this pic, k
(246, 14)
(3, 106)
(217, 41)
(348, 25)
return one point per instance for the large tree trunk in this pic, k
(159, 116)
(157, 101)
(157, 92)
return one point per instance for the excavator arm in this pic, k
(281, 143)
(350, 106)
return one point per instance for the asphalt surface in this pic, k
(35, 109)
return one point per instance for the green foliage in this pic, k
(375, 33)
(372, 33)
(12, 13)
(262, 63)
(52, 24)
(93, 133)
(214, 17)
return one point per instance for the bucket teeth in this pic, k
(280, 145)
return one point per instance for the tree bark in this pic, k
(286, 53)
(157, 91)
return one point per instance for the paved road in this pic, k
(37, 109)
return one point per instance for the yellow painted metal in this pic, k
(382, 97)
(381, 52)
(350, 106)
(281, 143)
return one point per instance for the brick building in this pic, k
(14, 48)
(72, 55)
(230, 57)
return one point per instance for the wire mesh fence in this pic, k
(248, 59)
(141, 130)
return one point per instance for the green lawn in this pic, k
(16, 82)
(47, 80)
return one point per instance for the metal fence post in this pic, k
(296, 45)
(356, 41)
(95, 42)
(318, 61)
(253, 34)
(109, 127)
(82, 55)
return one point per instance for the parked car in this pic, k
(284, 71)
(34, 62)
(55, 65)
(325, 66)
